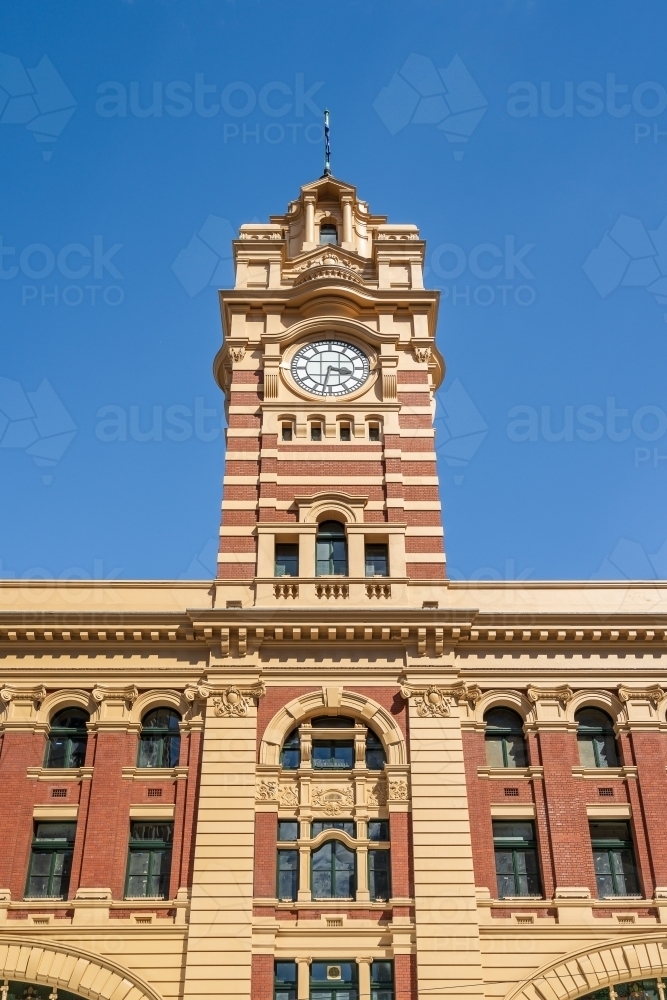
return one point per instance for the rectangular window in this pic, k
(373, 432)
(377, 560)
(379, 875)
(287, 432)
(346, 825)
(334, 755)
(333, 980)
(316, 432)
(345, 432)
(378, 829)
(149, 860)
(287, 560)
(288, 874)
(284, 981)
(614, 859)
(50, 860)
(382, 981)
(516, 858)
(288, 829)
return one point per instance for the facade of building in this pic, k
(331, 773)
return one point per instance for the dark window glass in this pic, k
(382, 981)
(50, 860)
(315, 432)
(331, 549)
(328, 233)
(288, 874)
(287, 432)
(287, 560)
(67, 739)
(160, 739)
(614, 859)
(333, 980)
(333, 871)
(346, 825)
(378, 829)
(334, 755)
(639, 989)
(373, 432)
(149, 860)
(379, 875)
(595, 736)
(375, 755)
(377, 560)
(332, 722)
(284, 981)
(505, 742)
(288, 829)
(516, 859)
(345, 434)
(290, 755)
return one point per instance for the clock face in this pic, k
(330, 368)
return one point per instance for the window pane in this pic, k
(62, 866)
(288, 829)
(606, 747)
(378, 829)
(494, 751)
(161, 718)
(150, 751)
(347, 825)
(378, 874)
(63, 832)
(640, 989)
(586, 750)
(160, 867)
(56, 751)
(77, 754)
(516, 750)
(287, 560)
(377, 560)
(513, 830)
(335, 755)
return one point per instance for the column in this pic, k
(364, 973)
(219, 956)
(303, 978)
(347, 223)
(310, 222)
(447, 926)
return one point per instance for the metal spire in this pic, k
(327, 147)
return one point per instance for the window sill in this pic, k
(59, 773)
(604, 773)
(510, 773)
(154, 773)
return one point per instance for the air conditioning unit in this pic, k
(334, 972)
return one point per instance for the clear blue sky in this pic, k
(527, 139)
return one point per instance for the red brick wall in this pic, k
(262, 977)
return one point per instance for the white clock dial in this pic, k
(330, 368)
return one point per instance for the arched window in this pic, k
(328, 233)
(505, 742)
(595, 736)
(331, 549)
(290, 755)
(68, 736)
(375, 755)
(160, 739)
(333, 871)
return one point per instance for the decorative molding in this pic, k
(422, 354)
(127, 695)
(34, 695)
(288, 796)
(237, 353)
(563, 695)
(398, 790)
(653, 694)
(266, 791)
(376, 794)
(332, 800)
(436, 701)
(235, 702)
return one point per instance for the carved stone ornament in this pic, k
(34, 694)
(398, 236)
(562, 695)
(237, 353)
(398, 790)
(127, 695)
(328, 265)
(229, 702)
(266, 791)
(653, 694)
(376, 795)
(288, 795)
(423, 354)
(332, 800)
(435, 701)
(260, 236)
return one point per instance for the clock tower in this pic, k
(329, 367)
